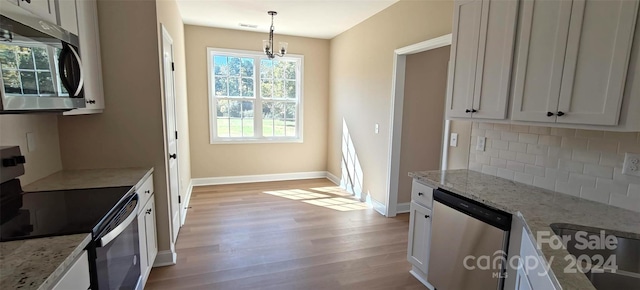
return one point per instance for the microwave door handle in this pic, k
(110, 236)
(62, 68)
(81, 81)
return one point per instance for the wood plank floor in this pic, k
(305, 234)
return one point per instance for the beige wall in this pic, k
(45, 159)
(360, 76)
(250, 159)
(130, 131)
(425, 90)
(169, 16)
(458, 157)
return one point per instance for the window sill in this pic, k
(254, 141)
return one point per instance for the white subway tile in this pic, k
(595, 195)
(603, 145)
(505, 173)
(574, 143)
(539, 130)
(522, 177)
(619, 177)
(535, 170)
(493, 152)
(475, 125)
(598, 171)
(537, 149)
(483, 159)
(571, 166)
(586, 156)
(560, 153)
(502, 127)
(494, 134)
(497, 162)
(517, 147)
(608, 185)
(519, 128)
(550, 140)
(478, 132)
(560, 175)
(491, 170)
(629, 147)
(634, 190)
(625, 202)
(544, 182)
(528, 138)
(500, 144)
(515, 166)
(611, 159)
(475, 166)
(577, 178)
(541, 160)
(526, 158)
(508, 155)
(509, 136)
(621, 136)
(592, 134)
(563, 132)
(568, 188)
(486, 126)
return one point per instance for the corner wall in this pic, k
(361, 68)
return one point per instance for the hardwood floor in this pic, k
(305, 234)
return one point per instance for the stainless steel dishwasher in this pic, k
(468, 244)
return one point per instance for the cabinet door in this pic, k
(142, 240)
(419, 236)
(597, 58)
(67, 17)
(44, 9)
(543, 30)
(77, 277)
(150, 227)
(495, 54)
(464, 55)
(522, 281)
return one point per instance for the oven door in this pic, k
(118, 251)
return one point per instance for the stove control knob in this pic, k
(13, 161)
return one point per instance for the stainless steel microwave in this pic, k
(40, 63)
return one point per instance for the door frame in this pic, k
(167, 37)
(397, 107)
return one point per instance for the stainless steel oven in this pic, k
(115, 251)
(40, 63)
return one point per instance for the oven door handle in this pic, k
(110, 236)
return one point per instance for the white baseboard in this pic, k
(414, 273)
(376, 205)
(258, 178)
(404, 207)
(333, 178)
(187, 199)
(165, 258)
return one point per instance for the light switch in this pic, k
(481, 143)
(454, 140)
(377, 128)
(31, 141)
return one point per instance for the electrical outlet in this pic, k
(454, 140)
(481, 143)
(31, 141)
(631, 164)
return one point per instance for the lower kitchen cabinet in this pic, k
(147, 236)
(419, 236)
(522, 281)
(77, 277)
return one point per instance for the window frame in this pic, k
(53, 70)
(257, 99)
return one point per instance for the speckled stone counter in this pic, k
(90, 178)
(38, 263)
(539, 208)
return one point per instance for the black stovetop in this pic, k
(57, 213)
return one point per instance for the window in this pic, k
(26, 70)
(253, 98)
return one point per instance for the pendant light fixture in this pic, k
(267, 45)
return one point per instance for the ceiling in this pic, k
(309, 18)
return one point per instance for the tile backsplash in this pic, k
(582, 163)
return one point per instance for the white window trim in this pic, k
(213, 139)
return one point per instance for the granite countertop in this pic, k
(540, 208)
(39, 263)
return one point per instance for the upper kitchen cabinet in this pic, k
(90, 55)
(481, 58)
(67, 17)
(45, 9)
(572, 60)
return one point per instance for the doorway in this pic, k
(422, 135)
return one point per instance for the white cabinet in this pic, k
(77, 277)
(45, 9)
(522, 281)
(88, 34)
(147, 227)
(67, 17)
(481, 58)
(534, 267)
(572, 60)
(419, 236)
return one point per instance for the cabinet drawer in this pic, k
(422, 194)
(145, 191)
(534, 264)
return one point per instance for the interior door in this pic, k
(171, 134)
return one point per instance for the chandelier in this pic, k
(267, 45)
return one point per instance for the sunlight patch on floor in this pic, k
(335, 190)
(338, 203)
(296, 194)
(327, 200)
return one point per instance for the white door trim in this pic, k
(397, 102)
